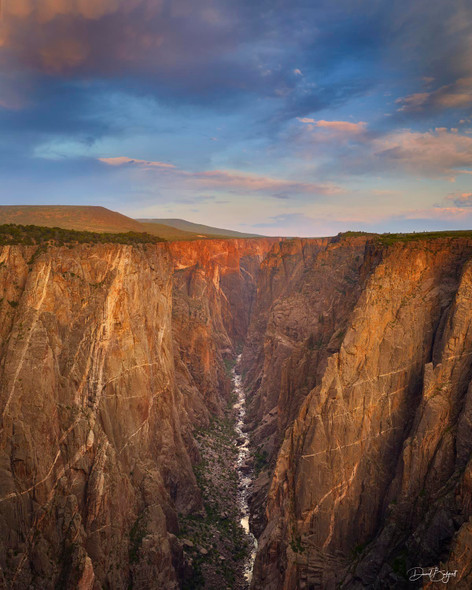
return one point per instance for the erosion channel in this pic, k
(219, 547)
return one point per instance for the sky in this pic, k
(300, 117)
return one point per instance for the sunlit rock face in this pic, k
(372, 472)
(91, 441)
(357, 366)
(98, 403)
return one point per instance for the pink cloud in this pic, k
(47, 10)
(256, 183)
(122, 160)
(455, 95)
(460, 199)
(438, 152)
(336, 126)
(343, 126)
(110, 36)
(229, 180)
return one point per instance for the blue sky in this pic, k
(294, 118)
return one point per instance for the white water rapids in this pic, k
(244, 471)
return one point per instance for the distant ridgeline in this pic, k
(31, 235)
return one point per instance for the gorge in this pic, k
(356, 363)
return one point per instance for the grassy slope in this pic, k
(100, 219)
(94, 219)
(169, 233)
(199, 229)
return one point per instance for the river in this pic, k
(244, 470)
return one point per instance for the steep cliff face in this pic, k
(108, 360)
(357, 362)
(214, 290)
(306, 292)
(93, 466)
(372, 475)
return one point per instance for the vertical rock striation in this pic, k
(371, 475)
(357, 360)
(93, 465)
(108, 360)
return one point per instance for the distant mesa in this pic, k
(95, 219)
(100, 219)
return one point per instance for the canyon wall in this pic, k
(356, 357)
(364, 418)
(214, 290)
(108, 361)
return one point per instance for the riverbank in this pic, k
(216, 544)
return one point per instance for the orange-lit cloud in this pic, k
(122, 160)
(46, 10)
(439, 152)
(336, 126)
(230, 180)
(456, 95)
(460, 199)
(106, 36)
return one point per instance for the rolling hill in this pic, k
(99, 219)
(80, 218)
(201, 231)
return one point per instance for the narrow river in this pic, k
(245, 470)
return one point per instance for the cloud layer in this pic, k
(228, 180)
(321, 114)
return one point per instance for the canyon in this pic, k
(116, 361)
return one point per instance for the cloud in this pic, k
(338, 126)
(327, 134)
(437, 153)
(151, 38)
(47, 10)
(461, 200)
(229, 180)
(343, 147)
(122, 160)
(450, 96)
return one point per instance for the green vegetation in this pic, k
(399, 564)
(229, 365)
(214, 540)
(296, 544)
(136, 536)
(31, 235)
(358, 549)
(389, 239)
(261, 460)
